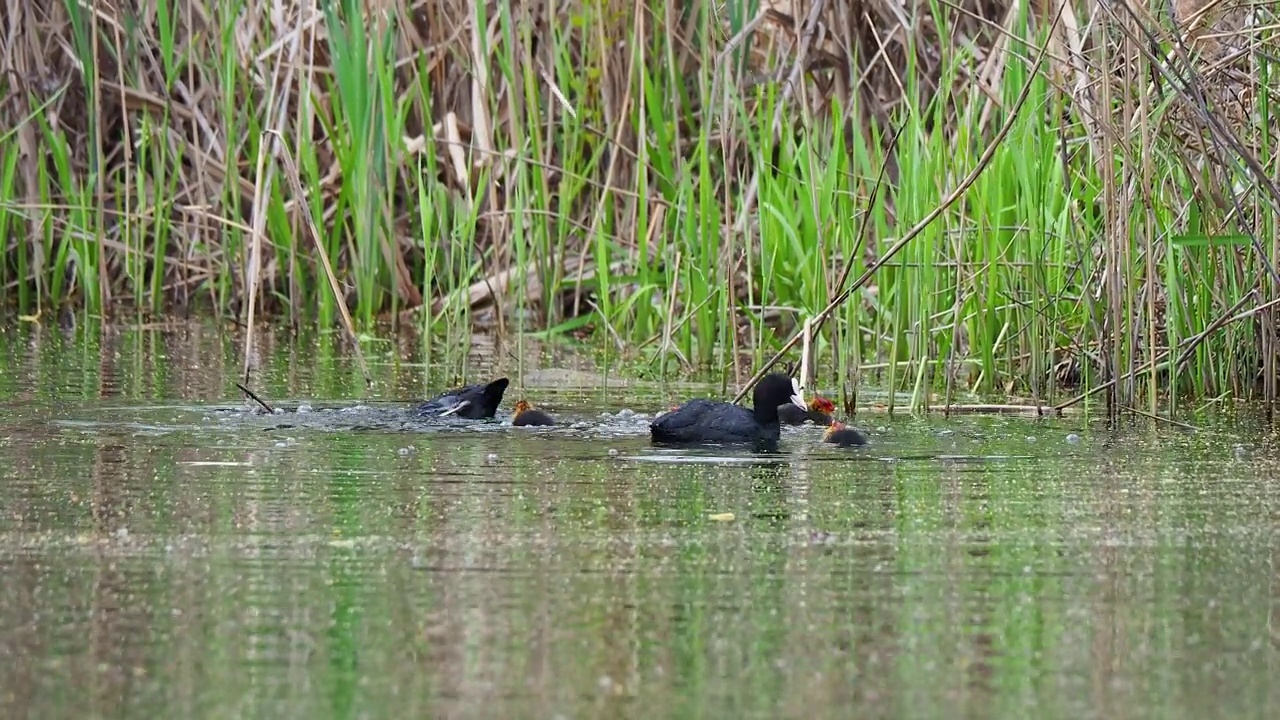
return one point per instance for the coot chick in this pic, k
(473, 402)
(527, 414)
(712, 421)
(819, 412)
(843, 435)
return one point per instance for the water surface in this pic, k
(167, 553)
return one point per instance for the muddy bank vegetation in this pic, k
(1037, 198)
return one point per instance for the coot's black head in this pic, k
(773, 390)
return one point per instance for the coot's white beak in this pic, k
(797, 397)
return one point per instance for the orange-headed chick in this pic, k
(527, 414)
(819, 413)
(843, 435)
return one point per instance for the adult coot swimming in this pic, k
(711, 421)
(527, 414)
(473, 402)
(819, 412)
(843, 435)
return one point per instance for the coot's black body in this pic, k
(474, 402)
(704, 421)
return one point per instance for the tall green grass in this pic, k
(606, 207)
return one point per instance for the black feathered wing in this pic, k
(481, 400)
(707, 421)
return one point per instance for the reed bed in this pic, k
(1052, 201)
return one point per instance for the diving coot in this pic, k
(819, 412)
(711, 421)
(473, 401)
(527, 414)
(843, 435)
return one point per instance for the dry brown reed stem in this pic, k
(1153, 416)
(1192, 85)
(264, 177)
(793, 81)
(616, 141)
(667, 329)
(291, 172)
(983, 161)
(100, 157)
(1160, 360)
(262, 183)
(1114, 241)
(997, 409)
(1226, 151)
(1145, 103)
(254, 397)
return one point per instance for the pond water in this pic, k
(165, 552)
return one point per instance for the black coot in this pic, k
(473, 402)
(843, 435)
(711, 421)
(526, 415)
(819, 412)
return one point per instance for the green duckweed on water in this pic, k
(167, 552)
